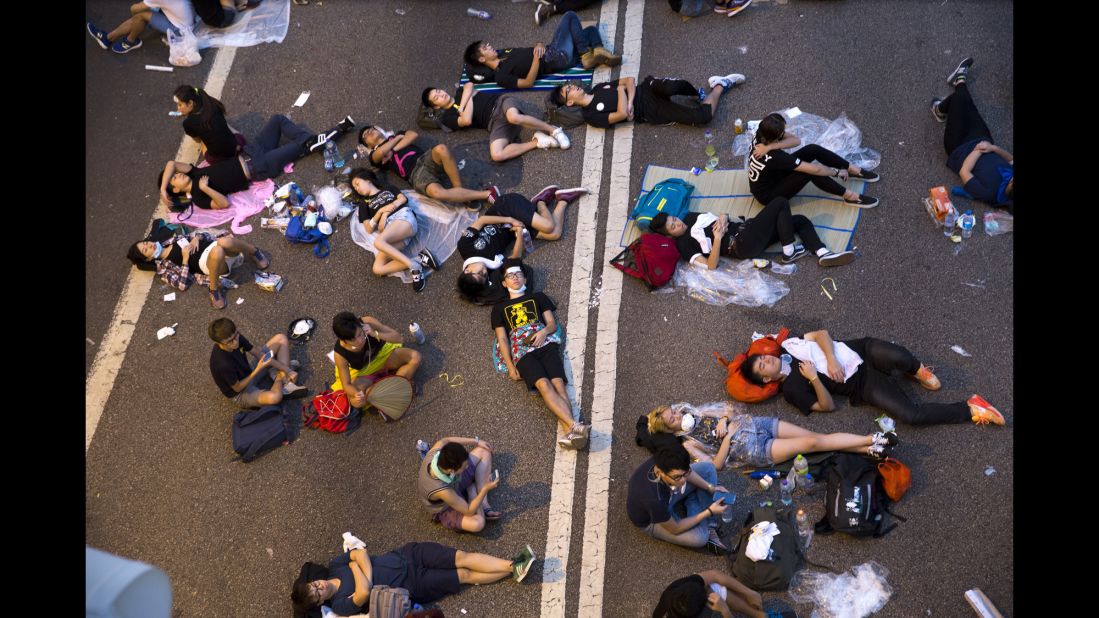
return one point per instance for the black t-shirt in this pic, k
(664, 609)
(689, 247)
(175, 254)
(388, 570)
(766, 172)
(371, 204)
(219, 140)
(515, 312)
(799, 391)
(488, 242)
(647, 501)
(225, 177)
(401, 162)
(228, 368)
(483, 103)
(514, 66)
(210, 12)
(604, 103)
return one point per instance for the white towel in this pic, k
(698, 230)
(350, 541)
(811, 351)
(759, 543)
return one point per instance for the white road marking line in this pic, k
(108, 361)
(563, 491)
(593, 565)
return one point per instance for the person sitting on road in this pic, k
(268, 383)
(385, 210)
(400, 154)
(429, 571)
(519, 67)
(204, 121)
(703, 237)
(160, 15)
(483, 244)
(664, 481)
(500, 115)
(454, 484)
(726, 435)
(261, 159)
(616, 101)
(772, 172)
(197, 258)
(987, 171)
(859, 369)
(365, 347)
(688, 597)
(524, 323)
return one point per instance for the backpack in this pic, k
(854, 502)
(387, 602)
(651, 258)
(331, 412)
(561, 115)
(296, 233)
(775, 572)
(740, 388)
(671, 196)
(431, 118)
(259, 431)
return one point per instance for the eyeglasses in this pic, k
(677, 477)
(514, 275)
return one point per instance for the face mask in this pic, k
(786, 360)
(687, 423)
(520, 291)
(158, 250)
(446, 478)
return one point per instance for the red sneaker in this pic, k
(927, 378)
(983, 412)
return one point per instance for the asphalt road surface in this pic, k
(160, 486)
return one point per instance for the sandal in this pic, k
(261, 259)
(493, 515)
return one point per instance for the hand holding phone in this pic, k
(727, 497)
(270, 355)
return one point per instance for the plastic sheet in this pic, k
(997, 223)
(731, 282)
(841, 136)
(267, 23)
(859, 592)
(439, 227)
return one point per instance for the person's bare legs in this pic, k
(791, 441)
(489, 567)
(557, 404)
(502, 150)
(514, 116)
(132, 27)
(394, 260)
(280, 345)
(712, 98)
(215, 264)
(234, 246)
(457, 193)
(550, 226)
(740, 605)
(482, 473)
(404, 362)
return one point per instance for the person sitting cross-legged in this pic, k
(363, 348)
(454, 484)
(268, 383)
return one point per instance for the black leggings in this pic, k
(658, 107)
(773, 223)
(562, 6)
(796, 181)
(880, 358)
(963, 122)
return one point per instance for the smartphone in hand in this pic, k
(496, 475)
(270, 355)
(727, 497)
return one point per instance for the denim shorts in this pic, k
(751, 444)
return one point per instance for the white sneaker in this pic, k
(728, 81)
(562, 139)
(545, 141)
(293, 391)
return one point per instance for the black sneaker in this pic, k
(879, 451)
(318, 141)
(419, 281)
(941, 117)
(866, 175)
(542, 13)
(864, 201)
(428, 260)
(345, 125)
(958, 76)
(888, 438)
(799, 252)
(836, 259)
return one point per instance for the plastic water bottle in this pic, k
(417, 332)
(801, 469)
(472, 12)
(331, 153)
(528, 242)
(805, 529)
(806, 482)
(967, 222)
(948, 223)
(727, 514)
(422, 448)
(786, 492)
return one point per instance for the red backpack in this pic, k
(740, 388)
(651, 258)
(331, 412)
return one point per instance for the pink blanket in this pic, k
(242, 204)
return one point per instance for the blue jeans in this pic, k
(268, 158)
(569, 42)
(696, 501)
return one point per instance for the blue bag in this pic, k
(296, 233)
(671, 196)
(259, 431)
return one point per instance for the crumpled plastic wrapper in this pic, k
(841, 136)
(732, 282)
(857, 593)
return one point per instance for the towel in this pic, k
(350, 541)
(759, 543)
(811, 351)
(242, 204)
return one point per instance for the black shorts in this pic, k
(432, 573)
(515, 206)
(545, 362)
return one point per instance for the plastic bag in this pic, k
(183, 48)
(997, 223)
(857, 593)
(739, 283)
(267, 23)
(330, 200)
(841, 136)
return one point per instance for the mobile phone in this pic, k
(727, 497)
(270, 354)
(496, 474)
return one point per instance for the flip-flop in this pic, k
(493, 515)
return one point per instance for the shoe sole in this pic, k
(581, 193)
(125, 51)
(530, 564)
(782, 259)
(839, 259)
(96, 39)
(934, 114)
(954, 73)
(735, 11)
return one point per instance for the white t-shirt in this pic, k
(811, 351)
(179, 12)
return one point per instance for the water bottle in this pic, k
(801, 468)
(805, 528)
(709, 136)
(422, 448)
(948, 223)
(806, 482)
(966, 222)
(331, 153)
(528, 242)
(786, 492)
(727, 514)
(472, 12)
(417, 332)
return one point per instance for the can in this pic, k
(738, 126)
(696, 170)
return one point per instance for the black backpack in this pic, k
(561, 115)
(256, 432)
(775, 572)
(855, 502)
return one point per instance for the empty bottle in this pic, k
(948, 222)
(805, 528)
(967, 222)
(330, 154)
(786, 492)
(806, 482)
(472, 12)
(801, 469)
(417, 332)
(422, 448)
(528, 242)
